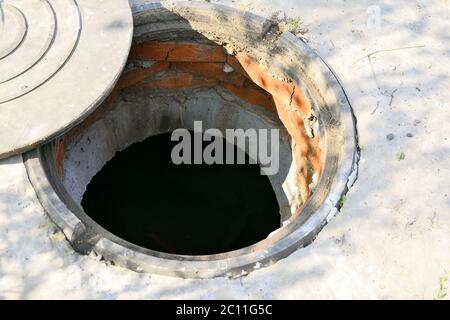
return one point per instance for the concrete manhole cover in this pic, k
(229, 69)
(58, 58)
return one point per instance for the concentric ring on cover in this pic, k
(63, 43)
(58, 60)
(10, 16)
(40, 30)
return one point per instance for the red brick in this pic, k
(307, 148)
(285, 92)
(234, 63)
(174, 51)
(59, 156)
(213, 71)
(135, 76)
(251, 95)
(179, 80)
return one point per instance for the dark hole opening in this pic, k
(142, 197)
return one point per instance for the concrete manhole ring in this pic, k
(303, 97)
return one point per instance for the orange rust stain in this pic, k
(173, 51)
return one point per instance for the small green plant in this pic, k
(288, 24)
(442, 291)
(296, 23)
(342, 202)
(400, 156)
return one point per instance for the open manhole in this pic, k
(111, 187)
(142, 196)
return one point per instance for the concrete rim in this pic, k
(339, 174)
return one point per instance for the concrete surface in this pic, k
(391, 239)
